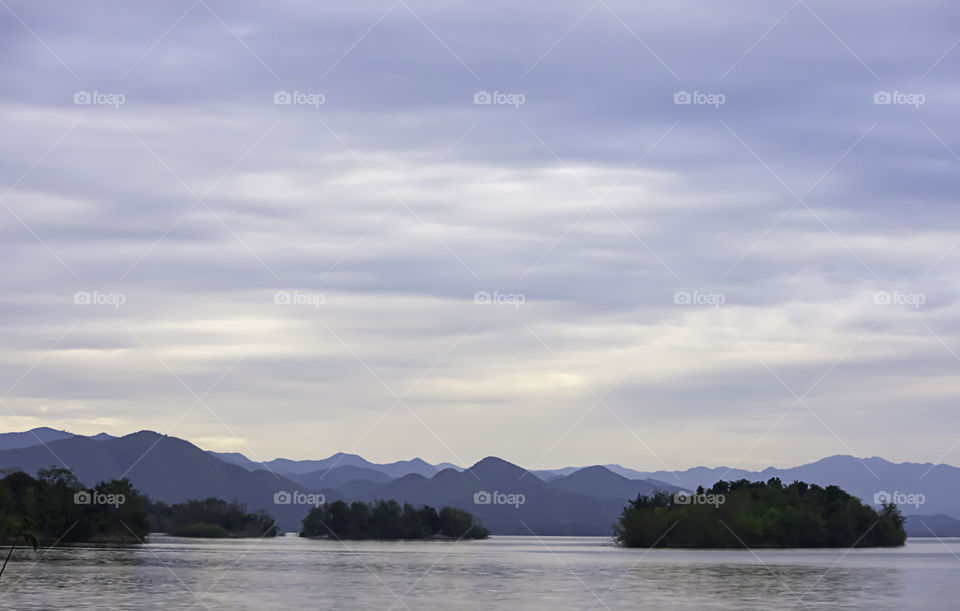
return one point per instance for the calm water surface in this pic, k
(502, 572)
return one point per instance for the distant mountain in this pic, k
(549, 474)
(238, 459)
(932, 526)
(340, 476)
(628, 473)
(618, 469)
(165, 468)
(290, 468)
(33, 437)
(39, 436)
(601, 482)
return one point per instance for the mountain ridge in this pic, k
(577, 500)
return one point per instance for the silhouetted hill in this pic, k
(340, 476)
(932, 526)
(33, 437)
(603, 483)
(40, 436)
(236, 458)
(287, 467)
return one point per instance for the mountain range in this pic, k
(506, 498)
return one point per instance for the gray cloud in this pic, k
(598, 200)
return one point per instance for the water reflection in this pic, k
(519, 572)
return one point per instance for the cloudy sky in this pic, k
(660, 235)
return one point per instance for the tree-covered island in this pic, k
(211, 518)
(757, 515)
(390, 520)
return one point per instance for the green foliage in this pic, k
(388, 520)
(18, 528)
(50, 505)
(758, 514)
(211, 517)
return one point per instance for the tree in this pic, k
(18, 528)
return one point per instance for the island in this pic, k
(211, 518)
(744, 514)
(389, 520)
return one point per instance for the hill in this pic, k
(290, 468)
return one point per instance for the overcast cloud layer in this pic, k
(583, 270)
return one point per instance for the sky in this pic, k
(655, 234)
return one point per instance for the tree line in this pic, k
(389, 520)
(55, 506)
(59, 508)
(211, 517)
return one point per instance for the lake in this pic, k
(502, 572)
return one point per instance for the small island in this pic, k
(389, 520)
(759, 515)
(211, 518)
